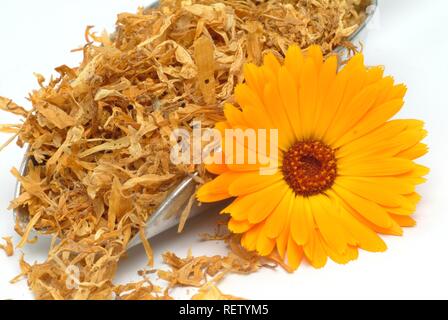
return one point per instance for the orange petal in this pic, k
(404, 221)
(365, 237)
(394, 229)
(294, 254)
(375, 118)
(271, 62)
(374, 74)
(280, 217)
(217, 189)
(302, 222)
(325, 214)
(249, 238)
(254, 207)
(239, 226)
(265, 245)
(253, 78)
(331, 103)
(350, 254)
(246, 96)
(375, 167)
(327, 77)
(251, 182)
(262, 209)
(282, 241)
(315, 252)
(352, 99)
(294, 62)
(288, 93)
(234, 116)
(314, 52)
(414, 152)
(217, 168)
(383, 133)
(368, 209)
(308, 97)
(353, 112)
(371, 191)
(278, 115)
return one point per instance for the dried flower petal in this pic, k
(8, 247)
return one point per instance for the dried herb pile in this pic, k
(98, 134)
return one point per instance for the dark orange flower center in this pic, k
(309, 167)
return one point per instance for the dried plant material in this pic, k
(194, 271)
(55, 116)
(8, 247)
(76, 270)
(204, 54)
(28, 229)
(186, 213)
(10, 128)
(205, 272)
(24, 267)
(221, 232)
(147, 247)
(99, 134)
(9, 140)
(211, 292)
(9, 106)
(142, 290)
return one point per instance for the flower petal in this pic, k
(236, 226)
(279, 116)
(265, 245)
(253, 77)
(375, 167)
(250, 237)
(368, 209)
(325, 214)
(280, 217)
(314, 52)
(404, 221)
(294, 254)
(288, 93)
(261, 210)
(315, 252)
(302, 222)
(308, 97)
(217, 189)
(365, 237)
(282, 241)
(327, 77)
(372, 191)
(252, 182)
(294, 62)
(374, 119)
(253, 207)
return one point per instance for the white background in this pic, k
(409, 38)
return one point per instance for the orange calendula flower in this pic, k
(346, 172)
